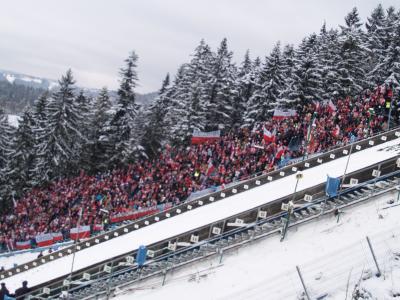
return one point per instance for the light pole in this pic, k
(290, 206)
(390, 108)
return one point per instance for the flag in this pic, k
(200, 137)
(316, 104)
(23, 245)
(80, 233)
(280, 152)
(210, 168)
(336, 131)
(57, 236)
(280, 114)
(45, 239)
(98, 227)
(331, 106)
(269, 137)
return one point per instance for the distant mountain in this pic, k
(18, 90)
(28, 80)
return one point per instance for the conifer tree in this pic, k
(223, 89)
(156, 129)
(122, 125)
(60, 139)
(268, 89)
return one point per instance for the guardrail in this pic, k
(205, 200)
(233, 238)
(124, 264)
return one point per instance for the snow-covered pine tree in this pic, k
(245, 85)
(390, 65)
(268, 89)
(60, 138)
(223, 89)
(6, 135)
(121, 127)
(307, 83)
(21, 160)
(381, 31)
(328, 57)
(156, 128)
(190, 94)
(288, 64)
(177, 131)
(99, 146)
(352, 71)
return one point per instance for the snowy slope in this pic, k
(325, 251)
(32, 81)
(204, 215)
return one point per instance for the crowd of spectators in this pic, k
(177, 172)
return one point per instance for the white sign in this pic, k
(216, 230)
(150, 253)
(171, 246)
(262, 214)
(86, 276)
(307, 198)
(376, 173)
(194, 238)
(353, 181)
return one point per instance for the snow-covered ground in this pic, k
(329, 255)
(203, 215)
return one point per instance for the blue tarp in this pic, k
(332, 186)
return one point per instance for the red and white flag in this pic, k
(80, 233)
(45, 239)
(316, 104)
(210, 168)
(280, 152)
(23, 245)
(269, 137)
(280, 114)
(200, 137)
(336, 131)
(57, 236)
(98, 227)
(331, 106)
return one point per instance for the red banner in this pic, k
(83, 232)
(200, 137)
(280, 114)
(133, 215)
(57, 236)
(43, 240)
(23, 245)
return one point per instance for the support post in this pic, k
(373, 256)
(302, 283)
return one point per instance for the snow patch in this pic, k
(10, 78)
(14, 120)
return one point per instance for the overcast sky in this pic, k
(93, 37)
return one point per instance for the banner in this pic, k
(57, 236)
(45, 239)
(280, 114)
(200, 137)
(83, 232)
(23, 245)
(98, 227)
(133, 215)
